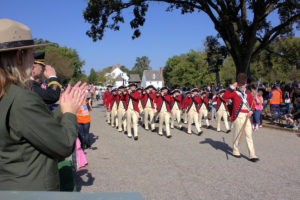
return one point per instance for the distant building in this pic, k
(118, 75)
(135, 78)
(152, 77)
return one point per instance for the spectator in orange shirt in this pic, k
(84, 120)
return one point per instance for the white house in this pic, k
(121, 78)
(152, 77)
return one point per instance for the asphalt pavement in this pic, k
(190, 166)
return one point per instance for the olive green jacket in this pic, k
(32, 139)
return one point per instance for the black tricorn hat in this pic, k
(121, 87)
(195, 90)
(176, 90)
(164, 88)
(149, 86)
(221, 91)
(132, 84)
(204, 92)
(188, 92)
(109, 86)
(139, 89)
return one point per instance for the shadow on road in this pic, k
(220, 146)
(92, 138)
(83, 178)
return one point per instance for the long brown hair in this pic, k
(15, 67)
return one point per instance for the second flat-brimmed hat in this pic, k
(14, 35)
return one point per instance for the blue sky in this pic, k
(164, 34)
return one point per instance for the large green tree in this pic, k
(65, 60)
(189, 70)
(141, 64)
(93, 77)
(243, 25)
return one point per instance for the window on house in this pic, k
(153, 76)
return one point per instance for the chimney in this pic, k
(118, 65)
(162, 76)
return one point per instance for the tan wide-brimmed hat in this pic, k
(14, 35)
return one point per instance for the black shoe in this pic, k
(254, 159)
(228, 131)
(200, 133)
(181, 128)
(153, 130)
(208, 127)
(237, 156)
(136, 138)
(88, 146)
(169, 136)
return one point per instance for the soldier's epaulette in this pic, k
(55, 83)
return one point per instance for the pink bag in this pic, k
(81, 159)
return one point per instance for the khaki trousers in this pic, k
(176, 115)
(132, 116)
(114, 115)
(220, 114)
(237, 126)
(193, 117)
(108, 116)
(185, 118)
(164, 116)
(149, 118)
(203, 114)
(122, 119)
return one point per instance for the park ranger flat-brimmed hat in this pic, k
(14, 35)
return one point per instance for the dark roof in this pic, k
(134, 78)
(152, 75)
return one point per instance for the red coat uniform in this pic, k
(220, 100)
(205, 101)
(135, 97)
(177, 100)
(193, 100)
(151, 97)
(237, 102)
(105, 97)
(122, 100)
(159, 102)
(114, 99)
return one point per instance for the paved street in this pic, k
(190, 167)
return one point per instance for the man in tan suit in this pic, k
(203, 110)
(122, 110)
(149, 107)
(164, 112)
(132, 112)
(192, 109)
(176, 108)
(114, 108)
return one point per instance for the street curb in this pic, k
(281, 128)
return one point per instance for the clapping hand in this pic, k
(73, 98)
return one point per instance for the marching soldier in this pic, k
(141, 109)
(243, 106)
(106, 102)
(122, 109)
(176, 108)
(132, 113)
(222, 111)
(184, 106)
(114, 108)
(203, 109)
(50, 92)
(163, 109)
(149, 107)
(192, 109)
